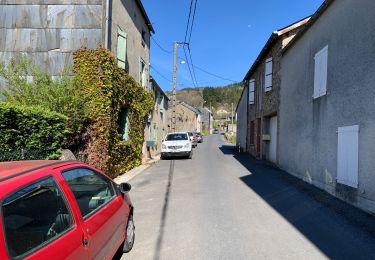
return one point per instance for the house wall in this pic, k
(308, 138)
(126, 16)
(49, 31)
(186, 119)
(157, 127)
(242, 120)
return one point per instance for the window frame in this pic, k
(113, 185)
(35, 249)
(266, 75)
(252, 92)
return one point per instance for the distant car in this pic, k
(177, 145)
(62, 210)
(199, 137)
(193, 139)
(216, 131)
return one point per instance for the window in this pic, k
(143, 74)
(34, 215)
(252, 92)
(124, 124)
(268, 75)
(320, 74)
(121, 49)
(177, 137)
(347, 155)
(143, 37)
(91, 189)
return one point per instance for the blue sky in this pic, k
(227, 36)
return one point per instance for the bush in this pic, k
(31, 132)
(30, 86)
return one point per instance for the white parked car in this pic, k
(177, 145)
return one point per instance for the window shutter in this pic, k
(146, 82)
(347, 155)
(252, 92)
(121, 49)
(320, 73)
(268, 75)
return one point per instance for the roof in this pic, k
(8, 169)
(189, 107)
(15, 168)
(158, 88)
(143, 11)
(313, 19)
(272, 40)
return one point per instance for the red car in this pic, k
(62, 210)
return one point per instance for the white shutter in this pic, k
(320, 72)
(347, 155)
(252, 92)
(268, 75)
(323, 71)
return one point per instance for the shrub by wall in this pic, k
(108, 89)
(31, 132)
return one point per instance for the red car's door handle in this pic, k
(85, 242)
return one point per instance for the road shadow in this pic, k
(163, 218)
(316, 214)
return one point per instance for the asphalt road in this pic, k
(220, 205)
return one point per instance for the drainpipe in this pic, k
(106, 40)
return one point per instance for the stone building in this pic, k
(263, 92)
(49, 31)
(187, 118)
(327, 127)
(157, 124)
(206, 118)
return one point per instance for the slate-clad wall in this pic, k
(49, 31)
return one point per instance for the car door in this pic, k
(38, 222)
(103, 211)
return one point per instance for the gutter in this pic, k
(106, 40)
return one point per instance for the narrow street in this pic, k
(221, 205)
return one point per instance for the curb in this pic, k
(136, 171)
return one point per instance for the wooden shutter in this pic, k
(320, 73)
(347, 155)
(124, 124)
(252, 92)
(121, 49)
(268, 75)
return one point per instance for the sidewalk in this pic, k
(136, 171)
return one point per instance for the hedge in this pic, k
(31, 132)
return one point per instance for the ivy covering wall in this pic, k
(109, 90)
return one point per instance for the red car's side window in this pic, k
(91, 189)
(35, 215)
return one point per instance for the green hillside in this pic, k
(220, 99)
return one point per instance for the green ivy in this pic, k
(108, 89)
(32, 129)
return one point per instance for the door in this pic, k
(103, 211)
(39, 224)
(273, 142)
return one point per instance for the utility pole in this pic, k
(175, 83)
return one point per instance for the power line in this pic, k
(190, 71)
(192, 22)
(161, 75)
(160, 47)
(188, 22)
(212, 74)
